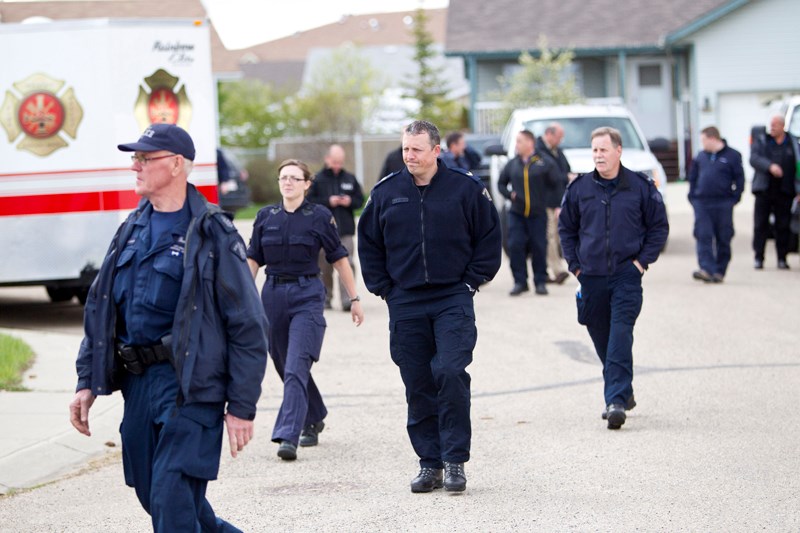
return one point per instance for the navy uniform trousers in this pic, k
(432, 335)
(609, 306)
(527, 234)
(713, 231)
(169, 453)
(296, 330)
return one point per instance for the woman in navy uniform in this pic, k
(287, 238)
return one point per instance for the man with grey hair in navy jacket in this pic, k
(612, 225)
(174, 321)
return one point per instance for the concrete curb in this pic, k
(39, 444)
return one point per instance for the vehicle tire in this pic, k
(60, 294)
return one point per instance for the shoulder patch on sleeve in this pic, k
(237, 247)
(486, 194)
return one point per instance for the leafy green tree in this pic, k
(430, 90)
(541, 81)
(342, 91)
(251, 113)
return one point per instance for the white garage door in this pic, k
(738, 113)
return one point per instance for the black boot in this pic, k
(310, 434)
(455, 479)
(427, 480)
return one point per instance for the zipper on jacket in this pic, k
(607, 202)
(526, 184)
(422, 227)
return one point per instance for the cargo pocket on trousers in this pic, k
(395, 346)
(194, 438)
(315, 336)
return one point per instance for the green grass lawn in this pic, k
(249, 213)
(15, 358)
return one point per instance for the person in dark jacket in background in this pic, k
(340, 192)
(774, 158)
(173, 319)
(428, 238)
(525, 180)
(613, 225)
(716, 183)
(459, 154)
(393, 163)
(547, 146)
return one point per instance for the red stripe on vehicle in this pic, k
(81, 202)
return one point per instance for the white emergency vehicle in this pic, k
(70, 91)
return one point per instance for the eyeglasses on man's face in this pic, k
(293, 179)
(143, 160)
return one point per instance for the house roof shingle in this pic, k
(475, 26)
(375, 29)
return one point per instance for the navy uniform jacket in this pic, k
(603, 227)
(327, 184)
(530, 181)
(447, 234)
(147, 279)
(219, 331)
(289, 243)
(717, 177)
(471, 159)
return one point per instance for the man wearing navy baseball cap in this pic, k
(174, 320)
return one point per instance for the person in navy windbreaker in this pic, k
(612, 225)
(716, 182)
(173, 319)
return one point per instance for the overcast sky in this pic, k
(242, 23)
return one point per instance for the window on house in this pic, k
(650, 75)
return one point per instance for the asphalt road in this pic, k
(712, 445)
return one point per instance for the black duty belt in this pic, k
(136, 358)
(282, 280)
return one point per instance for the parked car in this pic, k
(234, 194)
(578, 122)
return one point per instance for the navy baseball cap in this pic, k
(163, 137)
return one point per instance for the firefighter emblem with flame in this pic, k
(41, 114)
(162, 104)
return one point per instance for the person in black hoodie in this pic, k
(774, 158)
(716, 182)
(339, 191)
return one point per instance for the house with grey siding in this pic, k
(679, 65)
